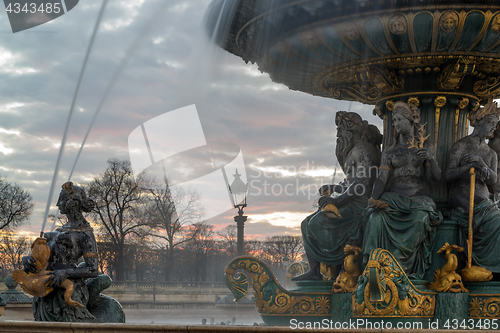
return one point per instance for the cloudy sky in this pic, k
(286, 137)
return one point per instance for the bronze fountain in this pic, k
(438, 61)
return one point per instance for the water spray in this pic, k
(75, 96)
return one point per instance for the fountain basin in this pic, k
(366, 50)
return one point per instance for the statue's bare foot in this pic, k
(309, 276)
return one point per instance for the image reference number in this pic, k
(34, 8)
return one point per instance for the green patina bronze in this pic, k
(68, 244)
(276, 304)
(325, 238)
(406, 228)
(486, 228)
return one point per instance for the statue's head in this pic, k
(485, 119)
(73, 200)
(351, 121)
(448, 21)
(351, 128)
(409, 111)
(405, 117)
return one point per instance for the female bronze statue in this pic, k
(402, 217)
(68, 244)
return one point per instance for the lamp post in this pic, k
(286, 262)
(238, 190)
(154, 283)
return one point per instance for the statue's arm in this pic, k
(454, 170)
(383, 175)
(366, 163)
(29, 262)
(433, 166)
(489, 173)
(89, 270)
(332, 188)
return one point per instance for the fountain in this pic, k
(12, 297)
(441, 56)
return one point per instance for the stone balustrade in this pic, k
(164, 295)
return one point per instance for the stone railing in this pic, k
(130, 285)
(170, 294)
(165, 295)
(162, 286)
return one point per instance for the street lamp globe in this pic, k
(238, 191)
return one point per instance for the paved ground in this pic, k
(242, 316)
(192, 316)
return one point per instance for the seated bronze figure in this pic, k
(64, 289)
(473, 152)
(402, 217)
(324, 236)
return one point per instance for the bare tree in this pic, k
(13, 249)
(228, 241)
(201, 244)
(279, 247)
(15, 205)
(255, 247)
(119, 204)
(170, 211)
(141, 256)
(106, 257)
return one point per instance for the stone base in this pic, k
(341, 307)
(452, 310)
(450, 307)
(484, 302)
(314, 286)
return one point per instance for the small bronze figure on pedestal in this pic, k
(61, 250)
